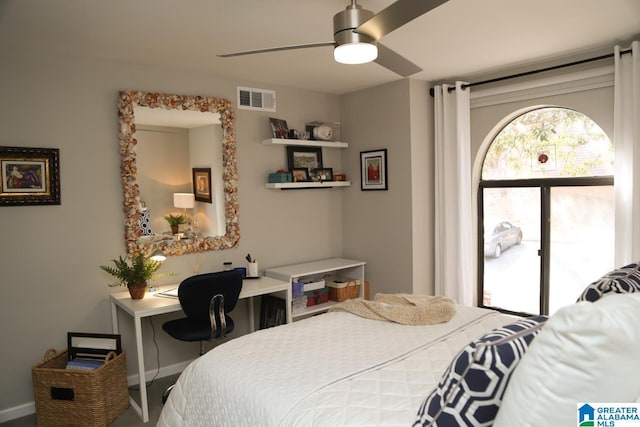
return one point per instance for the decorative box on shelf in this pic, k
(317, 297)
(341, 289)
(279, 177)
(313, 285)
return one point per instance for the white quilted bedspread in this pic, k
(330, 370)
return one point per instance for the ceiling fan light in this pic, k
(355, 53)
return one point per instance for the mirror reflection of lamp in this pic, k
(185, 201)
(158, 256)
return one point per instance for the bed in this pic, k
(340, 369)
(332, 369)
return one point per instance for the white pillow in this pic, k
(586, 352)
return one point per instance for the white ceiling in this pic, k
(465, 39)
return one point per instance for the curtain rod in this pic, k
(529, 73)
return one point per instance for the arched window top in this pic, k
(549, 142)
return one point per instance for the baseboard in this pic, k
(17, 412)
(30, 407)
(164, 371)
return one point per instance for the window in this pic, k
(545, 204)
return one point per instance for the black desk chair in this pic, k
(206, 299)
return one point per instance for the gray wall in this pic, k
(51, 282)
(379, 227)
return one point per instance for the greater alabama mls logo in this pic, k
(585, 415)
(608, 414)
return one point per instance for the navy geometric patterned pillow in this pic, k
(620, 281)
(472, 387)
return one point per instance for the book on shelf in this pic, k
(272, 312)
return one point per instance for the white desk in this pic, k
(152, 305)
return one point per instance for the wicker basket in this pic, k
(343, 289)
(66, 397)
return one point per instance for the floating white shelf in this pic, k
(312, 184)
(305, 143)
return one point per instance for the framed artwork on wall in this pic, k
(202, 184)
(309, 158)
(373, 170)
(30, 176)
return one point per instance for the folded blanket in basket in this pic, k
(402, 308)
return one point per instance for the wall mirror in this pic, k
(166, 142)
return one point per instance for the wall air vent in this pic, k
(256, 99)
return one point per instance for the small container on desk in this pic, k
(252, 269)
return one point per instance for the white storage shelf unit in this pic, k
(306, 143)
(340, 267)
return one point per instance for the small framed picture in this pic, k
(202, 184)
(373, 165)
(323, 174)
(30, 176)
(300, 174)
(309, 158)
(279, 128)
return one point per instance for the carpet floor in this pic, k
(129, 418)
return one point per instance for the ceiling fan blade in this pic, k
(395, 16)
(395, 62)
(276, 49)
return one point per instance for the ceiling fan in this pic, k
(356, 32)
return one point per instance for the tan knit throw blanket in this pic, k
(402, 308)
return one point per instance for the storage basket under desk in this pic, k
(67, 397)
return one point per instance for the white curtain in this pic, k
(626, 135)
(454, 242)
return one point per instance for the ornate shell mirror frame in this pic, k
(135, 241)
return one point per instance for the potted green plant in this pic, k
(175, 221)
(134, 273)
